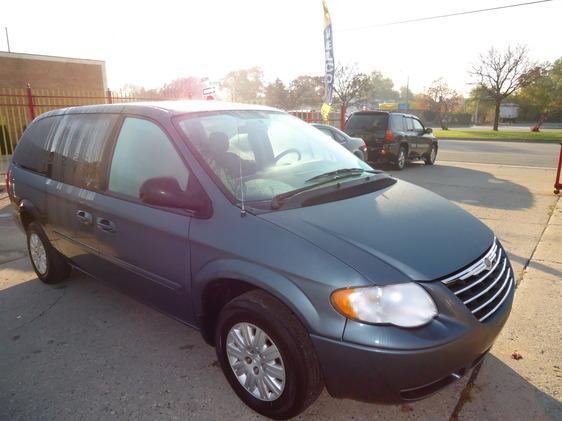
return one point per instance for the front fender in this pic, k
(261, 277)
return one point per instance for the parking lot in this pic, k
(80, 350)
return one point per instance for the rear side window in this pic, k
(32, 150)
(408, 123)
(396, 122)
(143, 151)
(78, 147)
(367, 122)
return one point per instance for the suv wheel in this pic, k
(50, 267)
(401, 158)
(267, 356)
(429, 159)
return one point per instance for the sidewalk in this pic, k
(529, 388)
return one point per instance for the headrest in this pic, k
(218, 143)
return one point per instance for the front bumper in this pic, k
(414, 369)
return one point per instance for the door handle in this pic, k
(84, 217)
(105, 225)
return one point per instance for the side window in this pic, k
(143, 151)
(32, 150)
(397, 122)
(408, 123)
(339, 138)
(418, 127)
(78, 147)
(327, 132)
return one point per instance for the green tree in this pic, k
(244, 85)
(502, 73)
(378, 89)
(277, 95)
(306, 91)
(542, 100)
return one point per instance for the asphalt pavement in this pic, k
(82, 351)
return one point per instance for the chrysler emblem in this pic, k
(488, 263)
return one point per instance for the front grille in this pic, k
(485, 284)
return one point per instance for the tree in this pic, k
(349, 84)
(306, 91)
(406, 94)
(277, 95)
(378, 89)
(542, 99)
(501, 74)
(185, 88)
(442, 100)
(245, 85)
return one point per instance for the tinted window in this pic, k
(367, 122)
(417, 125)
(32, 149)
(78, 147)
(143, 151)
(396, 122)
(408, 123)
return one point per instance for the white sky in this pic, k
(150, 43)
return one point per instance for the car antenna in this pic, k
(243, 209)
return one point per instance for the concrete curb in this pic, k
(475, 139)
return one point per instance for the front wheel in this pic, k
(267, 356)
(429, 159)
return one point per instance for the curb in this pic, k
(476, 139)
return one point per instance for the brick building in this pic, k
(18, 69)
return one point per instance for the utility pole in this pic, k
(408, 93)
(7, 38)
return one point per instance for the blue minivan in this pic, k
(305, 267)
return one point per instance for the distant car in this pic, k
(393, 137)
(355, 145)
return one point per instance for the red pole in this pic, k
(342, 116)
(558, 182)
(30, 102)
(109, 98)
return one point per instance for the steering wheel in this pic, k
(287, 152)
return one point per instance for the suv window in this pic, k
(78, 147)
(408, 123)
(143, 151)
(417, 125)
(32, 150)
(367, 122)
(396, 123)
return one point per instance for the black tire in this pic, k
(303, 382)
(57, 269)
(401, 159)
(430, 157)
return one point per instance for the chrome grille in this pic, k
(484, 285)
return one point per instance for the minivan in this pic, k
(303, 266)
(393, 137)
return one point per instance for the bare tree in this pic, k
(500, 74)
(349, 84)
(442, 100)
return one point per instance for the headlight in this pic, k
(404, 305)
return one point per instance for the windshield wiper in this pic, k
(342, 173)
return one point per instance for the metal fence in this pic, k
(19, 106)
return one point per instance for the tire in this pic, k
(400, 162)
(50, 267)
(429, 158)
(297, 358)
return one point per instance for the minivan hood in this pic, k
(414, 231)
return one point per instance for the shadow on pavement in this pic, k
(537, 265)
(472, 187)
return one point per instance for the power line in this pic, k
(468, 12)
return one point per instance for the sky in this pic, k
(149, 43)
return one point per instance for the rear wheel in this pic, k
(431, 156)
(267, 356)
(400, 162)
(49, 265)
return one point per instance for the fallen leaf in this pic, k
(516, 356)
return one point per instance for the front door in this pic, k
(423, 142)
(146, 247)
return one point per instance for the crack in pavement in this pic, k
(54, 303)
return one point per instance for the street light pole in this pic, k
(7, 38)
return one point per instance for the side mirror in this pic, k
(428, 130)
(166, 191)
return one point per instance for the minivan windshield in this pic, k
(367, 122)
(258, 155)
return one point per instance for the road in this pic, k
(544, 155)
(80, 350)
